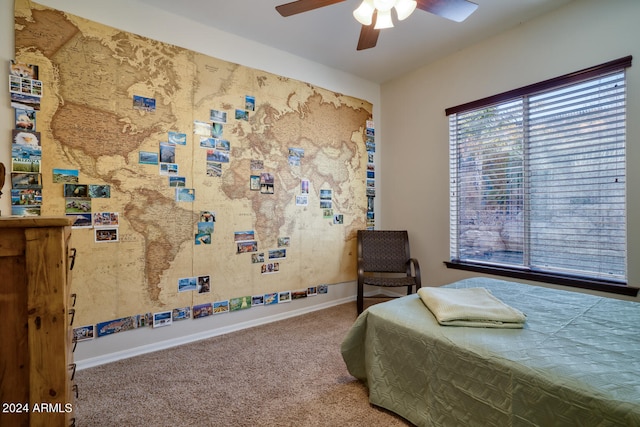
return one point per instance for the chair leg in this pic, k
(360, 298)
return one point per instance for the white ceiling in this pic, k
(329, 35)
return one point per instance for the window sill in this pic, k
(555, 279)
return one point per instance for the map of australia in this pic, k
(275, 143)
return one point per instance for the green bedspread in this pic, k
(575, 362)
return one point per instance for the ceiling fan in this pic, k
(375, 15)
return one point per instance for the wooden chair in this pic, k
(384, 260)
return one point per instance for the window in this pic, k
(538, 180)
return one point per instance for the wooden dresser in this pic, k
(36, 307)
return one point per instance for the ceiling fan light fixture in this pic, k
(404, 8)
(383, 20)
(384, 5)
(364, 12)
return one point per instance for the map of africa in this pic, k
(88, 122)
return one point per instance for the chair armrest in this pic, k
(416, 268)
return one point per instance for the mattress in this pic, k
(575, 362)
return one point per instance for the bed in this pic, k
(575, 362)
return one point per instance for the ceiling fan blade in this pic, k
(300, 6)
(368, 34)
(455, 10)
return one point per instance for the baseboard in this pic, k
(209, 333)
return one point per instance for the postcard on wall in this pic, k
(187, 284)
(25, 210)
(241, 236)
(83, 333)
(270, 268)
(144, 104)
(206, 227)
(202, 239)
(65, 175)
(106, 219)
(76, 190)
(25, 165)
(162, 318)
(271, 298)
(247, 247)
(220, 307)
(182, 313)
(118, 325)
(204, 284)
(145, 320)
(26, 145)
(304, 186)
(257, 300)
(207, 216)
(295, 156)
(370, 132)
(177, 138)
(202, 310)
(257, 258)
(327, 212)
(284, 242)
(201, 128)
(80, 220)
(254, 182)
(223, 145)
(217, 116)
(338, 219)
(217, 130)
(25, 101)
(294, 161)
(312, 291)
(21, 69)
(26, 180)
(177, 181)
(207, 142)
(326, 204)
(214, 169)
(323, 289)
(99, 191)
(77, 205)
(26, 196)
(239, 303)
(167, 152)
(109, 235)
(302, 200)
(371, 146)
(284, 296)
(185, 194)
(299, 294)
(277, 253)
(218, 156)
(22, 82)
(148, 158)
(25, 119)
(250, 103)
(242, 115)
(168, 169)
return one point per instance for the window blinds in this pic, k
(538, 181)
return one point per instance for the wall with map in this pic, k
(197, 183)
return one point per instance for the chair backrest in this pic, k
(383, 250)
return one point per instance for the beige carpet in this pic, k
(287, 373)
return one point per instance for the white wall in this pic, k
(415, 129)
(130, 16)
